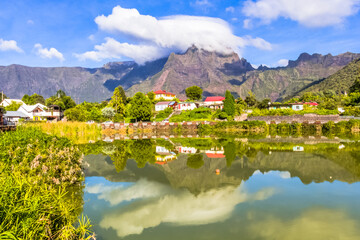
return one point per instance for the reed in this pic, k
(41, 187)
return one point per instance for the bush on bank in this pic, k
(41, 187)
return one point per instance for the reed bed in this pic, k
(78, 132)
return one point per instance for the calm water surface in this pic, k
(223, 189)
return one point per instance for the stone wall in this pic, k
(306, 118)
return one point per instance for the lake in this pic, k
(187, 188)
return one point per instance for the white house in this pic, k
(7, 102)
(40, 112)
(13, 117)
(216, 102)
(300, 106)
(161, 106)
(161, 94)
(184, 106)
(163, 155)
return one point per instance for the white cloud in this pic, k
(30, 22)
(163, 204)
(283, 62)
(159, 37)
(48, 53)
(310, 13)
(9, 45)
(230, 9)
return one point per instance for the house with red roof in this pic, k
(216, 102)
(162, 94)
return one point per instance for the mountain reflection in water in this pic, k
(148, 189)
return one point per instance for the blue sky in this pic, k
(92, 32)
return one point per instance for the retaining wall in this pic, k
(306, 118)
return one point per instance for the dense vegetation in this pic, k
(41, 187)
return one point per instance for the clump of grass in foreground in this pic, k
(41, 187)
(78, 132)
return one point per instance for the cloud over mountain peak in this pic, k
(158, 37)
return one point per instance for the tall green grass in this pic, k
(41, 184)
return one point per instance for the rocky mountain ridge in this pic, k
(212, 71)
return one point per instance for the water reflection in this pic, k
(141, 189)
(157, 203)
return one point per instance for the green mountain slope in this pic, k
(339, 82)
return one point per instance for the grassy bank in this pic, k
(41, 187)
(78, 132)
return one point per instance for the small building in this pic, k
(13, 117)
(186, 150)
(300, 106)
(40, 112)
(161, 94)
(216, 102)
(184, 106)
(7, 102)
(163, 155)
(294, 106)
(161, 106)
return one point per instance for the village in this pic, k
(163, 101)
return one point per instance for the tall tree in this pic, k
(229, 104)
(264, 103)
(251, 99)
(60, 99)
(33, 99)
(140, 108)
(118, 101)
(194, 93)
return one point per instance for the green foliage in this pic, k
(60, 99)
(251, 99)
(108, 112)
(194, 93)
(287, 112)
(264, 103)
(240, 106)
(164, 114)
(85, 112)
(118, 101)
(356, 86)
(140, 108)
(195, 161)
(151, 96)
(341, 81)
(37, 172)
(13, 106)
(33, 99)
(196, 114)
(229, 104)
(352, 111)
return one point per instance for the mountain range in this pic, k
(212, 71)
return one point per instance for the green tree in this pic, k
(13, 106)
(151, 96)
(194, 93)
(118, 101)
(251, 99)
(229, 104)
(240, 106)
(60, 99)
(33, 99)
(140, 108)
(108, 112)
(264, 103)
(195, 161)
